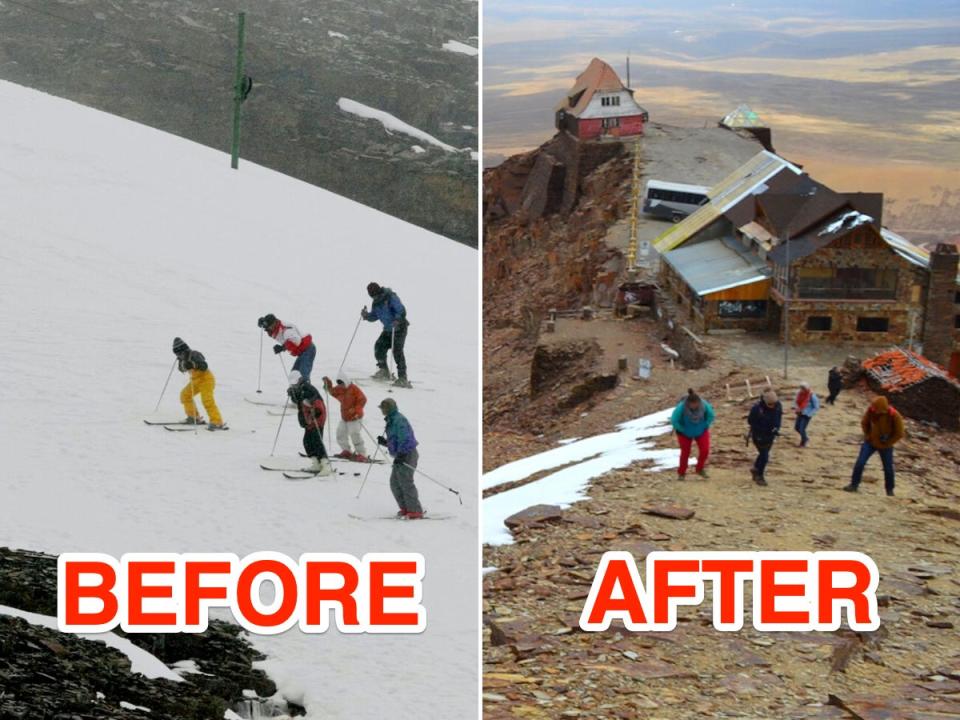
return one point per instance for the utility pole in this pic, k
(635, 201)
(786, 315)
(241, 88)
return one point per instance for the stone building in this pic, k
(774, 250)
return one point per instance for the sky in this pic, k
(865, 96)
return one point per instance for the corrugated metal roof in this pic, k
(743, 117)
(898, 369)
(716, 265)
(749, 178)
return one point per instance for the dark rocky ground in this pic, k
(170, 65)
(48, 674)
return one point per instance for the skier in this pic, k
(691, 420)
(312, 415)
(351, 400)
(834, 384)
(764, 421)
(387, 308)
(805, 406)
(882, 429)
(202, 381)
(402, 446)
(290, 338)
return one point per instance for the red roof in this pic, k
(597, 76)
(899, 369)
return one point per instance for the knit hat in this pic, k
(179, 346)
(267, 321)
(388, 405)
(373, 289)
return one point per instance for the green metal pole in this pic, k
(237, 94)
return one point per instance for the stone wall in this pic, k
(939, 327)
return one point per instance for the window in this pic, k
(742, 308)
(611, 122)
(873, 324)
(610, 101)
(847, 283)
(819, 323)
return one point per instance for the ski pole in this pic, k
(329, 424)
(260, 365)
(193, 399)
(279, 425)
(349, 345)
(284, 366)
(437, 482)
(170, 375)
(393, 352)
(375, 452)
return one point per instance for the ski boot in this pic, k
(414, 515)
(401, 514)
(344, 455)
(194, 421)
(381, 374)
(322, 466)
(359, 457)
(402, 382)
(216, 426)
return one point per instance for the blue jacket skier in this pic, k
(387, 308)
(401, 443)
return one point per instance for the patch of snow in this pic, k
(488, 570)
(417, 149)
(249, 694)
(101, 696)
(474, 155)
(229, 714)
(390, 123)
(467, 127)
(587, 459)
(568, 441)
(459, 47)
(187, 667)
(140, 660)
(335, 34)
(849, 220)
(130, 706)
(306, 20)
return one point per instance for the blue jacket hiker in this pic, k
(387, 308)
(401, 443)
(764, 421)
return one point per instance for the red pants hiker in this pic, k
(703, 451)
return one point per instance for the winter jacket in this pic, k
(312, 414)
(683, 426)
(764, 422)
(882, 425)
(193, 362)
(388, 309)
(810, 409)
(834, 381)
(400, 438)
(351, 400)
(289, 336)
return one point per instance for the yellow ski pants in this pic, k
(201, 382)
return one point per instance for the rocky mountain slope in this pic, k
(171, 66)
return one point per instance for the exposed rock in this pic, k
(673, 512)
(534, 515)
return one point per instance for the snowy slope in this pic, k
(116, 238)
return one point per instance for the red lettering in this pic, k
(770, 590)
(663, 590)
(379, 592)
(194, 592)
(616, 573)
(103, 591)
(725, 588)
(342, 595)
(288, 586)
(856, 594)
(137, 592)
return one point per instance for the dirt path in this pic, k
(538, 664)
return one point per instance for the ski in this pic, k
(257, 400)
(166, 423)
(334, 458)
(289, 475)
(183, 427)
(395, 518)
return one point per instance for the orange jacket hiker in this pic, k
(882, 425)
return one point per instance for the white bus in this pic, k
(672, 201)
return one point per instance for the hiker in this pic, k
(764, 421)
(290, 338)
(882, 429)
(834, 384)
(351, 400)
(202, 381)
(387, 308)
(312, 415)
(400, 442)
(805, 406)
(691, 420)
